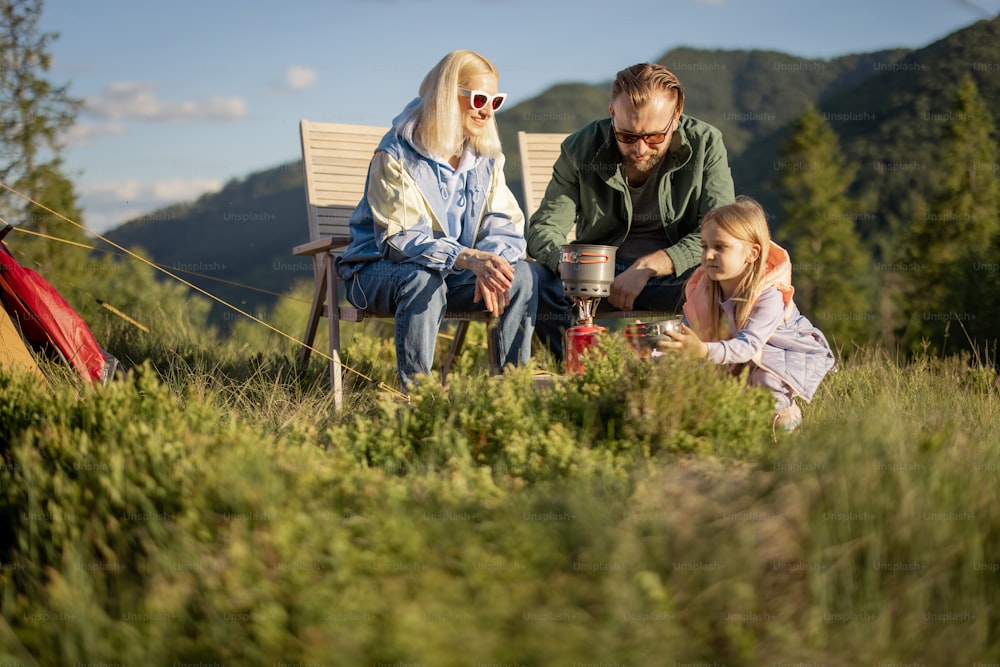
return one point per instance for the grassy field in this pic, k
(211, 508)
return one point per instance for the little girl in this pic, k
(739, 311)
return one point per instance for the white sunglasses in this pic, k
(479, 99)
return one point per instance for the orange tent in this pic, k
(14, 354)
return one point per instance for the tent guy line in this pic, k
(171, 268)
(378, 383)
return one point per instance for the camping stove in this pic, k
(581, 336)
(586, 272)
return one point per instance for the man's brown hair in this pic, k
(641, 81)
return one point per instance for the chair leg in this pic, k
(333, 322)
(491, 347)
(455, 349)
(315, 312)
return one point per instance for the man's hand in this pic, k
(627, 285)
(494, 277)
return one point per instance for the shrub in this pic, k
(230, 516)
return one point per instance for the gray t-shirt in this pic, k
(646, 234)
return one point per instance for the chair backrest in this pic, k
(539, 151)
(335, 159)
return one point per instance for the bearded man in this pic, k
(640, 180)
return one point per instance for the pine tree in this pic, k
(831, 270)
(952, 243)
(33, 115)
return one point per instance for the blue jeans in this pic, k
(417, 298)
(555, 309)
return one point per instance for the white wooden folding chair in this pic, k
(335, 160)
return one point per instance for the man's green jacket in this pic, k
(588, 189)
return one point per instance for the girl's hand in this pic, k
(686, 342)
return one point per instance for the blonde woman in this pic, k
(438, 229)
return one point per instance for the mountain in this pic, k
(236, 243)
(749, 95)
(887, 107)
(888, 124)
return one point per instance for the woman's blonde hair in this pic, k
(745, 221)
(436, 121)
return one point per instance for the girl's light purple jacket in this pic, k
(776, 336)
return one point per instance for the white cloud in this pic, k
(84, 134)
(298, 77)
(130, 100)
(165, 191)
(107, 205)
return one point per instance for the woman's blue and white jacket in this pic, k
(417, 208)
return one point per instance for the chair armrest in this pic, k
(316, 247)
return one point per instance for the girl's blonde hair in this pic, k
(436, 121)
(745, 221)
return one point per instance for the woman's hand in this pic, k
(495, 301)
(494, 278)
(686, 342)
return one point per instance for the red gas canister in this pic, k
(578, 340)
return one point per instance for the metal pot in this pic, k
(587, 270)
(644, 337)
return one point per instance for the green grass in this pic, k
(212, 507)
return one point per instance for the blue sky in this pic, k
(183, 96)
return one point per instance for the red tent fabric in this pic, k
(46, 320)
